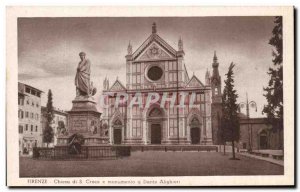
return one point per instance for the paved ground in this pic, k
(151, 164)
(271, 152)
(269, 159)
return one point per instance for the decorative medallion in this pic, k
(154, 52)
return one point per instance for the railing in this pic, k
(206, 148)
(86, 152)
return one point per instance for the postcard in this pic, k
(150, 96)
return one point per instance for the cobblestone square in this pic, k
(151, 164)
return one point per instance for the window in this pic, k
(172, 66)
(202, 97)
(198, 98)
(135, 110)
(37, 104)
(112, 100)
(32, 103)
(26, 127)
(26, 114)
(155, 73)
(136, 128)
(133, 68)
(136, 68)
(36, 128)
(202, 107)
(27, 90)
(27, 101)
(136, 79)
(20, 101)
(31, 128)
(173, 127)
(38, 94)
(172, 77)
(31, 115)
(111, 110)
(37, 116)
(173, 110)
(22, 114)
(216, 91)
(20, 129)
(33, 92)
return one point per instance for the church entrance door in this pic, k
(155, 134)
(117, 136)
(195, 135)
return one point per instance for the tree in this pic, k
(223, 130)
(48, 131)
(230, 119)
(274, 90)
(222, 134)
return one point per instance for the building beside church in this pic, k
(257, 134)
(158, 68)
(29, 114)
(59, 123)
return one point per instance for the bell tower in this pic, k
(216, 106)
(216, 81)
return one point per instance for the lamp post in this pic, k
(248, 104)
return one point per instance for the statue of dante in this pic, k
(82, 78)
(84, 87)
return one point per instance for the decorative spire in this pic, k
(215, 61)
(107, 83)
(180, 44)
(129, 49)
(215, 57)
(207, 77)
(154, 27)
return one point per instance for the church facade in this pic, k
(160, 103)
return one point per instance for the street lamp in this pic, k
(248, 104)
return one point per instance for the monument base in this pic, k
(84, 120)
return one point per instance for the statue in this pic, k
(84, 87)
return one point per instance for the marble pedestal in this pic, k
(83, 119)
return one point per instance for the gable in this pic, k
(154, 52)
(117, 86)
(154, 38)
(195, 82)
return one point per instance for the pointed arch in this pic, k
(117, 116)
(194, 113)
(154, 108)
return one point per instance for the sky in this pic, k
(48, 50)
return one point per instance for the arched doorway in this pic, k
(155, 125)
(195, 130)
(117, 131)
(263, 139)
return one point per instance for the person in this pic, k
(82, 78)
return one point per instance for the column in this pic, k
(145, 125)
(110, 134)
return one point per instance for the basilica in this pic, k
(156, 67)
